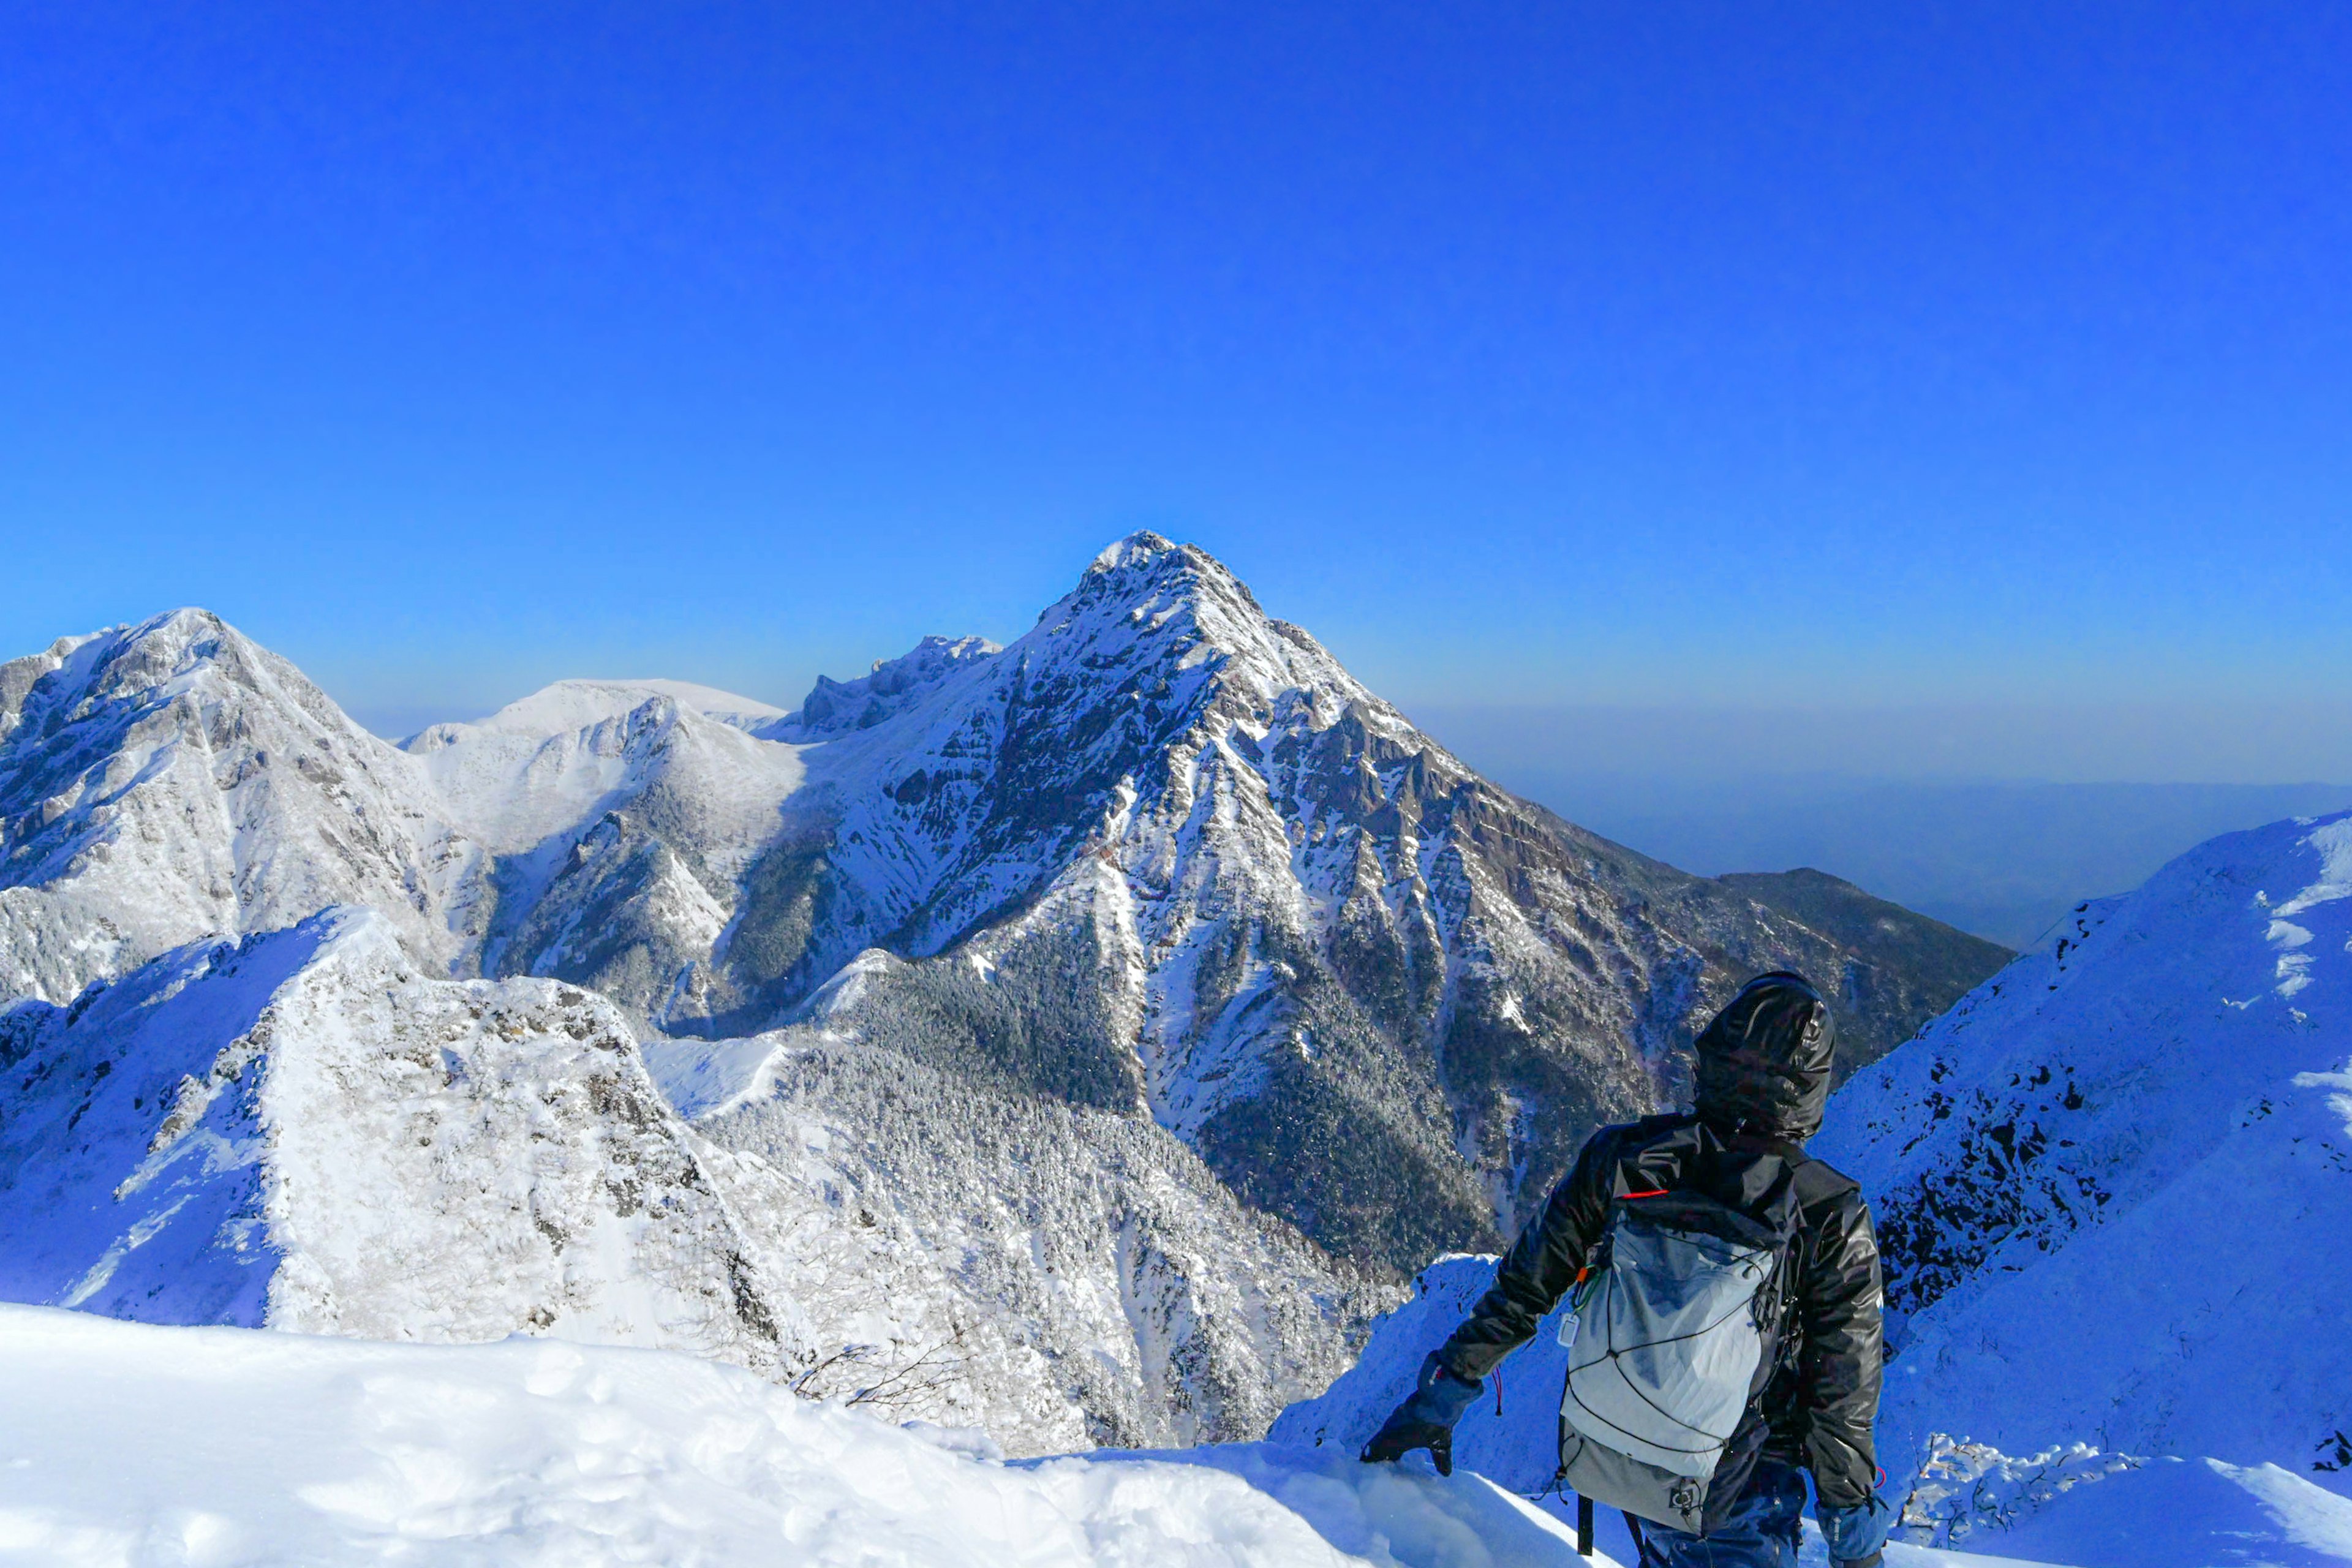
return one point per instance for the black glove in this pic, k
(1426, 1420)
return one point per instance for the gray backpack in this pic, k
(1676, 1328)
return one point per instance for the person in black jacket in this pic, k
(1763, 1082)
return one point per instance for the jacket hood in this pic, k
(1764, 1060)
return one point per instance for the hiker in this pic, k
(1726, 1333)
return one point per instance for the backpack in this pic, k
(1678, 1322)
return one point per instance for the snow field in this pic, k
(125, 1443)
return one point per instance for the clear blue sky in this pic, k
(1653, 355)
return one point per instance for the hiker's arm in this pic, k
(1539, 1267)
(1838, 1371)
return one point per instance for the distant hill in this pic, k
(1942, 962)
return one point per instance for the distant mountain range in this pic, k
(1079, 1036)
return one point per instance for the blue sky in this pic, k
(1650, 358)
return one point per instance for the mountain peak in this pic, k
(1137, 549)
(838, 707)
(1146, 570)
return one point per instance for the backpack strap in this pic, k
(1811, 1183)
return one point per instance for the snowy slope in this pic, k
(2076, 1504)
(2115, 1185)
(123, 1445)
(2144, 1129)
(172, 780)
(300, 1130)
(2188, 1513)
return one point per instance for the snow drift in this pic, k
(123, 1444)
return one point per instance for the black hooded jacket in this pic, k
(1763, 1079)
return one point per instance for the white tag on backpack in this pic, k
(1568, 1330)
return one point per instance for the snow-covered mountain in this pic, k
(1163, 854)
(2114, 1186)
(1077, 1037)
(172, 781)
(621, 819)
